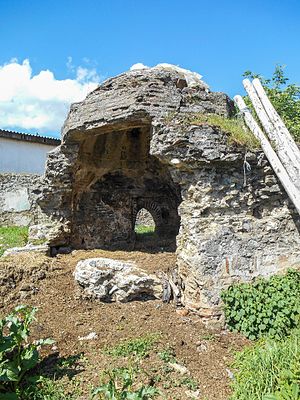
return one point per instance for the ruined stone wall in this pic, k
(129, 144)
(18, 195)
(236, 224)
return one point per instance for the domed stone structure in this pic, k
(132, 144)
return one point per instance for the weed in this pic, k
(208, 336)
(266, 307)
(190, 383)
(119, 385)
(49, 389)
(167, 355)
(138, 347)
(17, 355)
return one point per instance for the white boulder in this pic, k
(114, 280)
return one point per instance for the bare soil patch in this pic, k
(65, 315)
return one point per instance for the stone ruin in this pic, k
(129, 145)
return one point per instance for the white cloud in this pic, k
(138, 66)
(40, 102)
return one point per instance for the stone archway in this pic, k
(116, 177)
(136, 138)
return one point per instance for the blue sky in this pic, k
(218, 39)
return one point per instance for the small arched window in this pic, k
(144, 223)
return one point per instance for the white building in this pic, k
(24, 153)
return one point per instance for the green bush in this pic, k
(17, 354)
(268, 370)
(266, 307)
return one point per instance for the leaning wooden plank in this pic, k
(290, 188)
(260, 111)
(284, 151)
(275, 118)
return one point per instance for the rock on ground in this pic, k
(112, 280)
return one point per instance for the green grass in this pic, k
(144, 230)
(267, 367)
(12, 236)
(237, 132)
(139, 347)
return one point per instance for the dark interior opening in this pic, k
(115, 178)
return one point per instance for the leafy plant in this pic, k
(268, 370)
(138, 347)
(189, 382)
(266, 307)
(17, 355)
(167, 355)
(120, 386)
(284, 96)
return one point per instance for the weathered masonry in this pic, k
(129, 146)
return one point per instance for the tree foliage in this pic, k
(284, 96)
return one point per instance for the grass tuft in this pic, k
(267, 367)
(236, 130)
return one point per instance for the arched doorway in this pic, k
(144, 223)
(115, 178)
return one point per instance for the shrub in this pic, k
(17, 355)
(268, 370)
(266, 307)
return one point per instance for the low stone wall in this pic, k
(18, 195)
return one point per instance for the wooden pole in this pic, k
(292, 191)
(275, 118)
(284, 150)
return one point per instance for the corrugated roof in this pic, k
(29, 137)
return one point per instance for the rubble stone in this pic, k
(111, 280)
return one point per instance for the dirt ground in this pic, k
(65, 316)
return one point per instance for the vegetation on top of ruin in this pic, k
(237, 131)
(235, 128)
